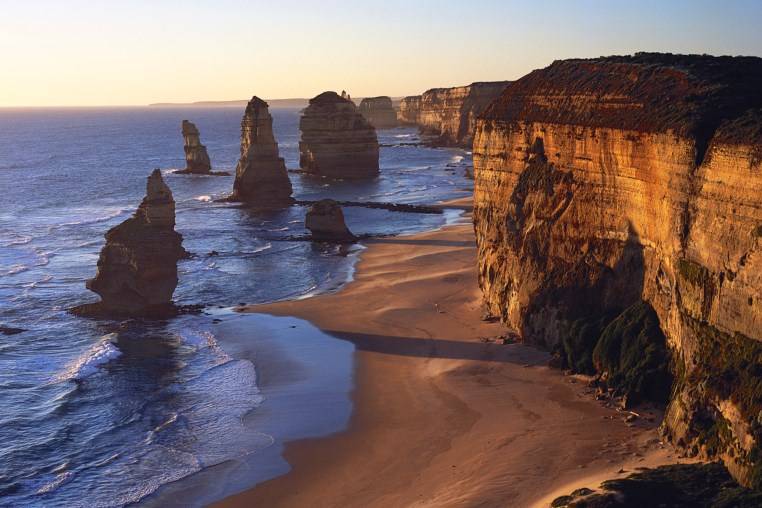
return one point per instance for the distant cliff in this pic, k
(614, 189)
(450, 114)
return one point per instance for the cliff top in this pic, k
(255, 104)
(328, 98)
(650, 92)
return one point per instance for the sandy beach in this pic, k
(443, 415)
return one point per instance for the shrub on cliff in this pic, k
(632, 356)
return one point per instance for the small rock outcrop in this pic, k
(337, 141)
(260, 176)
(137, 268)
(196, 159)
(379, 112)
(325, 220)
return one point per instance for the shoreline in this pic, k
(441, 418)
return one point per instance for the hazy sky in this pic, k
(72, 52)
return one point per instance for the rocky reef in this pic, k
(379, 112)
(325, 220)
(337, 141)
(196, 159)
(137, 268)
(616, 192)
(261, 179)
(449, 114)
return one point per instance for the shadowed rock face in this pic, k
(337, 141)
(260, 176)
(137, 268)
(450, 114)
(379, 112)
(325, 220)
(196, 158)
(605, 182)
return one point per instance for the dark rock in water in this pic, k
(196, 159)
(337, 141)
(9, 330)
(694, 485)
(137, 268)
(325, 220)
(260, 177)
(379, 112)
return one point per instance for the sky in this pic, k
(88, 53)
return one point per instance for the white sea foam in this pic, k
(14, 269)
(56, 482)
(95, 220)
(91, 360)
(456, 159)
(401, 136)
(204, 199)
(11, 238)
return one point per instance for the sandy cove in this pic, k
(442, 418)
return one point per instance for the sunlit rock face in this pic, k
(337, 141)
(196, 157)
(449, 114)
(137, 268)
(261, 179)
(379, 112)
(600, 183)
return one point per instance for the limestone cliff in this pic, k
(325, 220)
(337, 141)
(604, 183)
(449, 114)
(261, 179)
(379, 112)
(137, 268)
(196, 157)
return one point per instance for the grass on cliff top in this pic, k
(677, 485)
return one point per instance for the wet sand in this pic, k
(441, 417)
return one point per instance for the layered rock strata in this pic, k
(196, 159)
(608, 182)
(337, 141)
(449, 114)
(379, 112)
(260, 176)
(325, 220)
(137, 268)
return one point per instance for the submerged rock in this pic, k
(260, 176)
(137, 268)
(337, 141)
(325, 220)
(379, 112)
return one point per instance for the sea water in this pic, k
(104, 413)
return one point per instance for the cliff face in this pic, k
(337, 141)
(196, 157)
(450, 113)
(260, 176)
(604, 183)
(137, 268)
(379, 112)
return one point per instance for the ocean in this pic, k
(106, 413)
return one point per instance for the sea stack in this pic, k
(325, 220)
(137, 268)
(379, 112)
(260, 176)
(337, 141)
(196, 158)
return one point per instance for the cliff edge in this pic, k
(610, 188)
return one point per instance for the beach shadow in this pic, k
(441, 243)
(442, 348)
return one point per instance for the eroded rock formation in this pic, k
(325, 220)
(196, 158)
(137, 268)
(379, 112)
(337, 141)
(608, 183)
(449, 114)
(260, 176)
